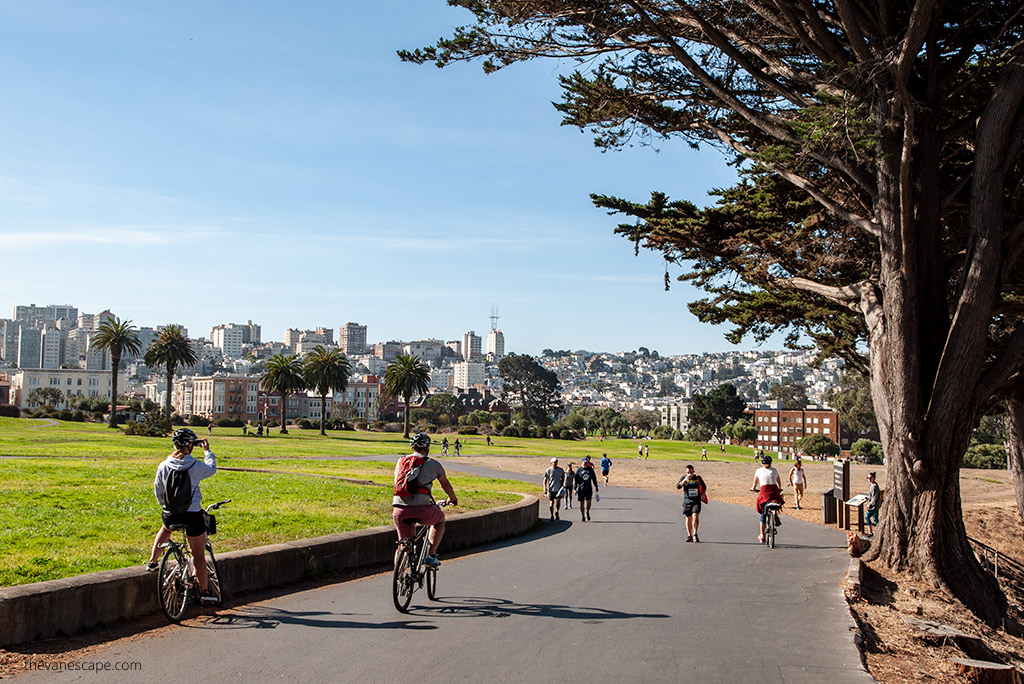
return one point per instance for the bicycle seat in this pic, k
(181, 527)
(414, 521)
(772, 506)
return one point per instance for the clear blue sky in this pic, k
(208, 163)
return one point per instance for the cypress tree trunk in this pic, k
(1015, 448)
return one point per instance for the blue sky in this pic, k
(208, 163)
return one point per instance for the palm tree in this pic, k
(405, 376)
(325, 371)
(171, 349)
(117, 337)
(283, 374)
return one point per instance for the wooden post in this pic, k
(841, 484)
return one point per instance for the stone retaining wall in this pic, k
(65, 606)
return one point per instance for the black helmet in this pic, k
(184, 438)
(421, 440)
(766, 460)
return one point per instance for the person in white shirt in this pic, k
(766, 484)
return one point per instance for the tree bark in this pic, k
(1015, 448)
(284, 413)
(170, 386)
(323, 414)
(114, 364)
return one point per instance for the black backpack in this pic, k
(177, 490)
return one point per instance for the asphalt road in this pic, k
(620, 598)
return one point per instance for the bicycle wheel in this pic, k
(432, 584)
(172, 584)
(213, 581)
(402, 585)
(771, 531)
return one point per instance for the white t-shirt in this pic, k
(767, 476)
(797, 476)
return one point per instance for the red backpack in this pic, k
(407, 482)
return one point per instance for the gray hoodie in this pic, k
(197, 471)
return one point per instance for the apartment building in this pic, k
(216, 397)
(229, 339)
(362, 397)
(467, 374)
(471, 346)
(352, 339)
(71, 381)
(777, 430)
(676, 415)
(53, 312)
(495, 345)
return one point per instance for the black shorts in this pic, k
(605, 472)
(195, 524)
(691, 507)
(584, 495)
(554, 495)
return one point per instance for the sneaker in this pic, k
(588, 516)
(798, 508)
(152, 567)
(557, 516)
(552, 516)
(432, 561)
(689, 539)
(760, 539)
(696, 539)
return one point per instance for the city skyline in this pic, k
(206, 165)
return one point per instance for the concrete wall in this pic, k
(34, 611)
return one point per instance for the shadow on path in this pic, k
(265, 617)
(477, 606)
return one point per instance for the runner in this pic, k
(694, 494)
(606, 464)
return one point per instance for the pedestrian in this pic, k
(244, 433)
(444, 446)
(570, 480)
(488, 440)
(704, 453)
(457, 447)
(798, 479)
(639, 451)
(209, 429)
(554, 487)
(606, 465)
(586, 487)
(259, 430)
(694, 494)
(647, 452)
(874, 501)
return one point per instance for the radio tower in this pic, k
(494, 318)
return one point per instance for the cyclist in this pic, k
(184, 441)
(444, 446)
(406, 510)
(458, 448)
(766, 483)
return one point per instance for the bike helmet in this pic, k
(184, 438)
(420, 440)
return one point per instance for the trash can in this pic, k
(828, 507)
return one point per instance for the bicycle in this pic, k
(771, 524)
(176, 582)
(411, 571)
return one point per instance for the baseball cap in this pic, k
(554, 460)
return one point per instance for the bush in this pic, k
(426, 427)
(662, 432)
(498, 426)
(380, 425)
(360, 424)
(678, 436)
(78, 417)
(394, 427)
(305, 424)
(198, 421)
(540, 432)
(273, 422)
(10, 411)
(152, 426)
(510, 431)
(468, 430)
(867, 451)
(985, 456)
(229, 422)
(566, 434)
(177, 419)
(66, 414)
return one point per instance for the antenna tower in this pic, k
(494, 318)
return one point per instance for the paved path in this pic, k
(621, 598)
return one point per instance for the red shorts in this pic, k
(430, 514)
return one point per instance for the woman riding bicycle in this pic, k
(420, 506)
(766, 483)
(184, 441)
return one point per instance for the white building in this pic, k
(495, 345)
(229, 339)
(676, 416)
(71, 382)
(468, 373)
(471, 346)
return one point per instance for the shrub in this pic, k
(510, 431)
(304, 424)
(360, 424)
(78, 417)
(177, 419)
(198, 421)
(566, 434)
(66, 414)
(987, 456)
(152, 426)
(662, 432)
(230, 422)
(867, 451)
(498, 426)
(540, 432)
(677, 435)
(426, 427)
(468, 430)
(380, 425)
(394, 427)
(10, 411)
(273, 422)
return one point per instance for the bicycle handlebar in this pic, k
(218, 505)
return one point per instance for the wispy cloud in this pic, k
(131, 238)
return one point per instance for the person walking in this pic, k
(798, 480)
(554, 487)
(694, 494)
(457, 447)
(570, 481)
(209, 429)
(874, 502)
(444, 446)
(586, 487)
(639, 451)
(704, 453)
(647, 452)
(606, 465)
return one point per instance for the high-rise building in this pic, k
(30, 341)
(9, 339)
(229, 339)
(53, 312)
(352, 339)
(467, 374)
(50, 345)
(495, 345)
(471, 347)
(92, 321)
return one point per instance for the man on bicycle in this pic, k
(406, 511)
(766, 484)
(184, 440)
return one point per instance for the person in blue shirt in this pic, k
(606, 464)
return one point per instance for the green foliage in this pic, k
(721, 406)
(468, 430)
(678, 436)
(662, 432)
(230, 422)
(852, 399)
(445, 404)
(305, 424)
(477, 418)
(154, 425)
(741, 431)
(816, 445)
(405, 376)
(48, 398)
(698, 433)
(171, 349)
(510, 431)
(566, 435)
(792, 394)
(867, 451)
(986, 456)
(283, 374)
(325, 371)
(531, 386)
(198, 421)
